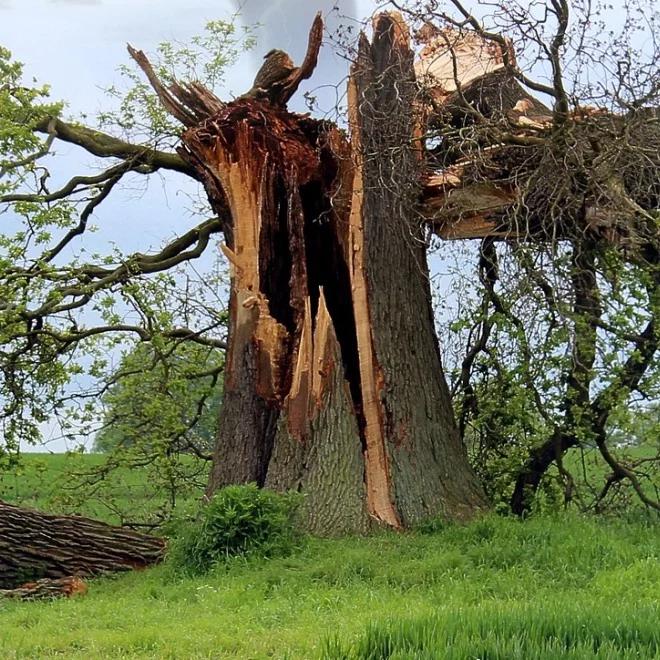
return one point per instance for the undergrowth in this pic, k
(239, 520)
(548, 587)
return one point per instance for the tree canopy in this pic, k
(163, 400)
(528, 131)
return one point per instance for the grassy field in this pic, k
(552, 587)
(45, 481)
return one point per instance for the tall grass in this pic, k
(511, 631)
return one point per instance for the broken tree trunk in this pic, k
(333, 381)
(503, 165)
(36, 545)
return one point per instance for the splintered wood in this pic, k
(262, 159)
(244, 178)
(376, 469)
(451, 59)
(451, 67)
(505, 166)
(314, 365)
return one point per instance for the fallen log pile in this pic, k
(52, 553)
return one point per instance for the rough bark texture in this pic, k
(426, 465)
(36, 545)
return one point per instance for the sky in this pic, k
(76, 47)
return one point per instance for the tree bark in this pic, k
(36, 545)
(333, 381)
(412, 430)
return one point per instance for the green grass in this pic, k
(552, 587)
(510, 631)
(519, 590)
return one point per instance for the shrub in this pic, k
(238, 520)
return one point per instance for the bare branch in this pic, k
(106, 146)
(72, 187)
(74, 336)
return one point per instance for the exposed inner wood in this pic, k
(244, 182)
(283, 185)
(477, 211)
(322, 361)
(451, 59)
(376, 470)
(299, 397)
(313, 367)
(187, 102)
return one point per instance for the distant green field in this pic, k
(48, 482)
(588, 467)
(498, 588)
